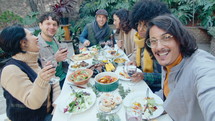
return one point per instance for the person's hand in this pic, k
(47, 72)
(120, 44)
(61, 55)
(86, 43)
(137, 77)
(131, 63)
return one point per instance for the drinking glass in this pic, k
(109, 43)
(44, 60)
(102, 44)
(130, 70)
(133, 114)
(63, 46)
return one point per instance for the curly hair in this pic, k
(46, 16)
(145, 10)
(124, 24)
(173, 26)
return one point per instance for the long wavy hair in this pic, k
(173, 26)
(124, 23)
(145, 10)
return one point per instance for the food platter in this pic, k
(109, 103)
(82, 56)
(125, 77)
(89, 101)
(139, 97)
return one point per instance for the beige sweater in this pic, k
(17, 83)
(128, 40)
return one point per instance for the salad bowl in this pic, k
(81, 76)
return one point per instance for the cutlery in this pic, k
(77, 86)
(72, 88)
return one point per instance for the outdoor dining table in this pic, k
(91, 113)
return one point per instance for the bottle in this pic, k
(112, 39)
(75, 44)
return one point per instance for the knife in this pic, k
(77, 86)
(147, 96)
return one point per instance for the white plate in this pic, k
(69, 98)
(140, 97)
(78, 62)
(116, 109)
(120, 69)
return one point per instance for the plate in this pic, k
(89, 102)
(139, 97)
(109, 103)
(82, 56)
(76, 65)
(120, 69)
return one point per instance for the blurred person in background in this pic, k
(126, 33)
(98, 31)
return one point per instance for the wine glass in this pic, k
(102, 43)
(130, 70)
(109, 43)
(44, 60)
(64, 46)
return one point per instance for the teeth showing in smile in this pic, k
(161, 54)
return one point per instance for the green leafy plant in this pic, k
(30, 18)
(60, 34)
(193, 12)
(8, 18)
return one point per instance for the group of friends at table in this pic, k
(155, 41)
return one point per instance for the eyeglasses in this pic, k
(142, 26)
(164, 40)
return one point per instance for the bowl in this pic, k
(81, 76)
(106, 87)
(120, 61)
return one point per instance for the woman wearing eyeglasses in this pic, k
(142, 12)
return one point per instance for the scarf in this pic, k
(166, 89)
(147, 61)
(100, 33)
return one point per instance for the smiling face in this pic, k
(101, 20)
(141, 29)
(165, 54)
(116, 21)
(48, 28)
(31, 42)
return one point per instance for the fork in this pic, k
(72, 88)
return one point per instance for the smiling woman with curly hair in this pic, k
(141, 13)
(126, 33)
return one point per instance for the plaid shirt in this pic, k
(154, 79)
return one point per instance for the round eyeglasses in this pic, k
(153, 42)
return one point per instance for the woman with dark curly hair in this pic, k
(126, 33)
(142, 12)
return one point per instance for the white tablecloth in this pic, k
(90, 114)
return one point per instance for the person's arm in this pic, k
(205, 90)
(152, 78)
(84, 34)
(17, 83)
